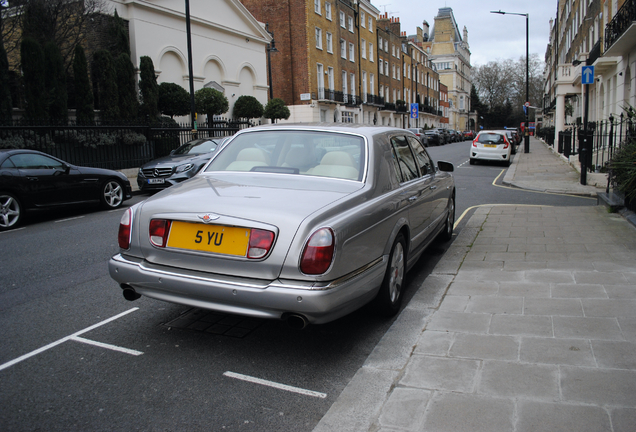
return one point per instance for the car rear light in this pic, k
(159, 230)
(261, 242)
(125, 228)
(506, 143)
(475, 142)
(318, 253)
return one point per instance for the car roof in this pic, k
(361, 129)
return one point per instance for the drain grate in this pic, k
(215, 323)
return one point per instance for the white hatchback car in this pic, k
(491, 146)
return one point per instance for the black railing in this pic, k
(374, 100)
(338, 96)
(595, 53)
(111, 146)
(607, 137)
(623, 19)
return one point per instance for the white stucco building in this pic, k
(228, 44)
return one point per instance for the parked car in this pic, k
(469, 135)
(304, 223)
(32, 180)
(454, 135)
(420, 133)
(491, 146)
(512, 139)
(182, 163)
(434, 137)
(445, 135)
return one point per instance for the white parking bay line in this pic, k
(275, 385)
(107, 346)
(57, 342)
(69, 219)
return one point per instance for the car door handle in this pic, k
(433, 187)
(413, 198)
(33, 178)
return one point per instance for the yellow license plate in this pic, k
(490, 145)
(209, 238)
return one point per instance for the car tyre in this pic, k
(112, 195)
(10, 211)
(472, 162)
(390, 296)
(447, 234)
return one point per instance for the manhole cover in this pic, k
(215, 323)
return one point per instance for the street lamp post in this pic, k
(193, 115)
(526, 129)
(271, 47)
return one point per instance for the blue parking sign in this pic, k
(587, 75)
(415, 110)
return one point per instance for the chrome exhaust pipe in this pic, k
(297, 322)
(129, 293)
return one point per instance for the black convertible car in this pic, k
(31, 180)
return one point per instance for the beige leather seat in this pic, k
(247, 159)
(337, 164)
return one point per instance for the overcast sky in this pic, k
(490, 36)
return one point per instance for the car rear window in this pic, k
(313, 153)
(490, 138)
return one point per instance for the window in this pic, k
(421, 157)
(393, 70)
(393, 50)
(370, 24)
(380, 42)
(403, 159)
(386, 68)
(350, 21)
(329, 43)
(370, 51)
(328, 10)
(371, 83)
(318, 38)
(363, 48)
(386, 45)
(347, 117)
(330, 78)
(345, 91)
(362, 18)
(352, 52)
(342, 19)
(364, 85)
(321, 81)
(343, 49)
(353, 84)
(381, 91)
(317, 7)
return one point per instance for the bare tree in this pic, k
(63, 21)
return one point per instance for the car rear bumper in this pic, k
(489, 154)
(251, 297)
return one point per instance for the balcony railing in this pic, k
(623, 19)
(338, 96)
(375, 100)
(595, 53)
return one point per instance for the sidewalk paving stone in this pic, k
(530, 325)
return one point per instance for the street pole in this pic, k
(193, 115)
(526, 128)
(527, 137)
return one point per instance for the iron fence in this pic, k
(111, 146)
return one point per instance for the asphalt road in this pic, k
(74, 355)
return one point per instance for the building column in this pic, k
(559, 121)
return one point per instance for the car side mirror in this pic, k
(445, 166)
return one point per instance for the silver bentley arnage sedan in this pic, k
(304, 223)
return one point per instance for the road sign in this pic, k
(415, 110)
(587, 75)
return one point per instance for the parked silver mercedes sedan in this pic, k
(304, 223)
